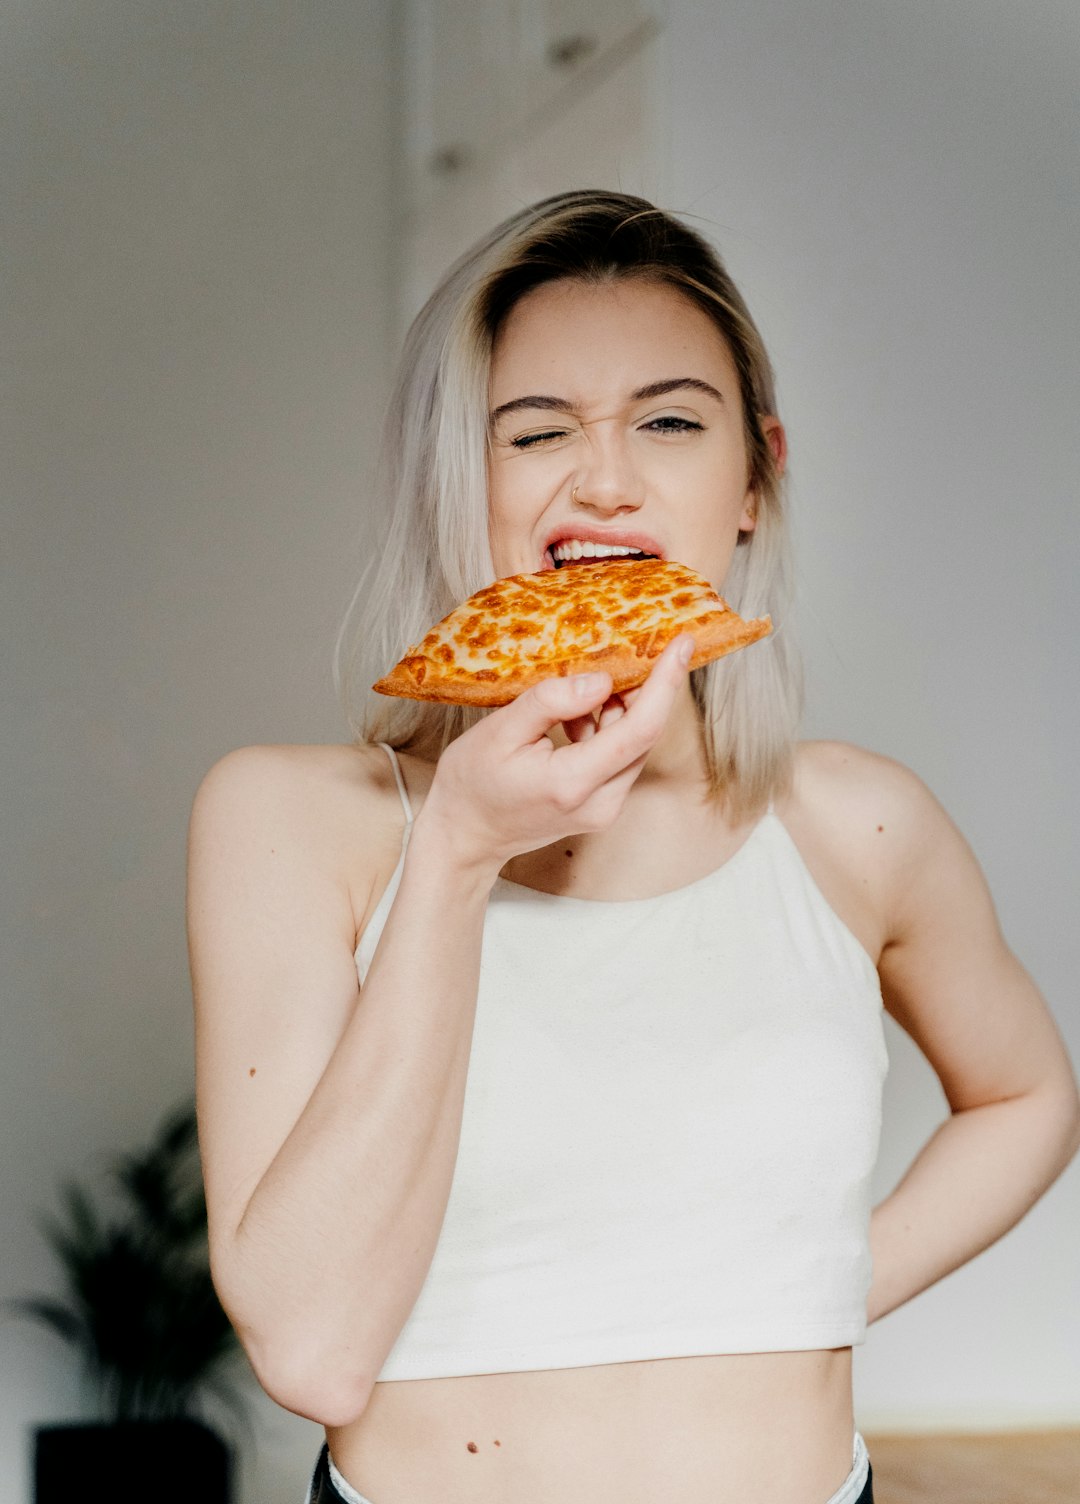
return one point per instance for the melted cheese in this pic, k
(558, 614)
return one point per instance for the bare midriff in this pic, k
(740, 1428)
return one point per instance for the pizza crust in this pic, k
(617, 615)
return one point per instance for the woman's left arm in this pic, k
(951, 982)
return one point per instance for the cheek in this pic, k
(505, 489)
(510, 521)
(500, 498)
(502, 521)
(717, 466)
(715, 493)
(517, 497)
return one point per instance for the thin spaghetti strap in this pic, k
(400, 781)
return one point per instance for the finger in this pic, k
(610, 711)
(580, 728)
(536, 710)
(621, 783)
(664, 678)
(628, 696)
(636, 730)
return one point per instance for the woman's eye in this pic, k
(529, 439)
(680, 422)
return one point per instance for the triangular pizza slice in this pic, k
(614, 613)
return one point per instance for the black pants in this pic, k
(324, 1492)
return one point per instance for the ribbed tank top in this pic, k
(672, 1113)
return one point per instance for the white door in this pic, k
(607, 129)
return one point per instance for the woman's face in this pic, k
(582, 367)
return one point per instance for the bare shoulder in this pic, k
(948, 977)
(896, 867)
(308, 775)
(860, 782)
(334, 802)
(877, 805)
(859, 819)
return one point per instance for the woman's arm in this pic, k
(951, 982)
(328, 1120)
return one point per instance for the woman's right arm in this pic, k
(329, 1119)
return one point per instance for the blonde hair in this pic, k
(432, 497)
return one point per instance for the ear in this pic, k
(776, 439)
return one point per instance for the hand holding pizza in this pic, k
(503, 788)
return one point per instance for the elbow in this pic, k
(1068, 1115)
(1062, 1108)
(316, 1376)
(1074, 1141)
(326, 1390)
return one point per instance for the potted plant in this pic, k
(142, 1313)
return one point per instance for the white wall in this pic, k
(897, 190)
(198, 261)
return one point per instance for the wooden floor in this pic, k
(1026, 1467)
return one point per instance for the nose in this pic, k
(608, 480)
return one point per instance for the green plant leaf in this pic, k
(80, 1236)
(140, 1302)
(64, 1322)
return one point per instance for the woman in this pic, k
(571, 1200)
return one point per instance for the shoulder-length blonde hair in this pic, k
(432, 496)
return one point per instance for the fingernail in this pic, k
(685, 651)
(588, 684)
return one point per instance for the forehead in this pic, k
(581, 342)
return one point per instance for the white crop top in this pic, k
(671, 1117)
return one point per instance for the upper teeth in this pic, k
(573, 548)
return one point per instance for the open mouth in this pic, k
(596, 559)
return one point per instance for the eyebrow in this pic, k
(654, 389)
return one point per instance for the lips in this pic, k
(587, 534)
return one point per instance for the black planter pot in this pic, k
(134, 1462)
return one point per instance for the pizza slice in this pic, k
(615, 613)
